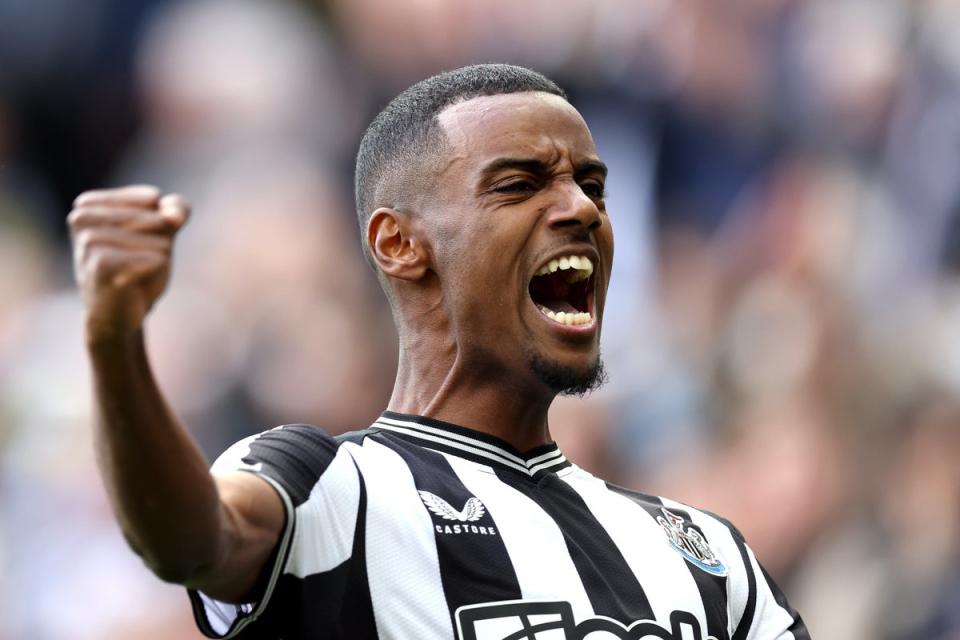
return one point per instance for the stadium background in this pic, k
(784, 330)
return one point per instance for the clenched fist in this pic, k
(122, 241)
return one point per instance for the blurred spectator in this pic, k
(783, 328)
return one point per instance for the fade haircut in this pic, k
(406, 134)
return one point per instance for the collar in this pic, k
(473, 445)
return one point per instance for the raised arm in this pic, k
(210, 533)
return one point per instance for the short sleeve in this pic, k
(767, 615)
(757, 608)
(293, 459)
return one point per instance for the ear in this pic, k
(396, 248)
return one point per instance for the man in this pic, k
(481, 201)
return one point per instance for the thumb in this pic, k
(174, 208)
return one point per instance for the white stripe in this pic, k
(424, 436)
(723, 544)
(326, 522)
(550, 454)
(472, 442)
(546, 465)
(533, 540)
(661, 571)
(403, 570)
(770, 620)
(454, 440)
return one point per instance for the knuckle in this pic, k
(83, 242)
(89, 246)
(88, 196)
(97, 264)
(78, 217)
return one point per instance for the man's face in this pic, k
(521, 239)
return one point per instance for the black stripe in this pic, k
(474, 566)
(554, 467)
(746, 620)
(356, 616)
(612, 587)
(798, 628)
(355, 437)
(294, 455)
(713, 589)
(333, 605)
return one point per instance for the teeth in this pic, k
(581, 265)
(562, 317)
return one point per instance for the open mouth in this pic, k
(561, 290)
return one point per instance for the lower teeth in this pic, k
(562, 317)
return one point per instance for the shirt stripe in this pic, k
(474, 564)
(405, 588)
(643, 545)
(770, 621)
(535, 543)
(332, 508)
(612, 588)
(417, 528)
(713, 588)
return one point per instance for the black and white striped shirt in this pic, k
(416, 529)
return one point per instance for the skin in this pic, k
(465, 350)
(458, 260)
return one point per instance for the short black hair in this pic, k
(406, 132)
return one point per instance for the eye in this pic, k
(516, 186)
(593, 189)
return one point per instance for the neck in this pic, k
(445, 385)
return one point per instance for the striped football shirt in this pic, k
(417, 529)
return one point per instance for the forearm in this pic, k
(157, 478)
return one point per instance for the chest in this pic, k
(491, 550)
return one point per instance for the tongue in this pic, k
(558, 305)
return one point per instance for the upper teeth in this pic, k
(581, 265)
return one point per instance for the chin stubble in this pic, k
(569, 381)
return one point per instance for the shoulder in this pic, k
(300, 438)
(293, 456)
(704, 538)
(662, 505)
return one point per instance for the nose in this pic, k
(574, 208)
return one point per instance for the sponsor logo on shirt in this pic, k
(525, 620)
(472, 511)
(690, 543)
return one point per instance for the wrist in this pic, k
(101, 340)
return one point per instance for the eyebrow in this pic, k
(532, 165)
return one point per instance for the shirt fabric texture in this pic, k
(417, 529)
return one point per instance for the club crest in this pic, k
(690, 543)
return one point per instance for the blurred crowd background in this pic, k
(783, 331)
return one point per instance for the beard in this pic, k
(569, 381)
